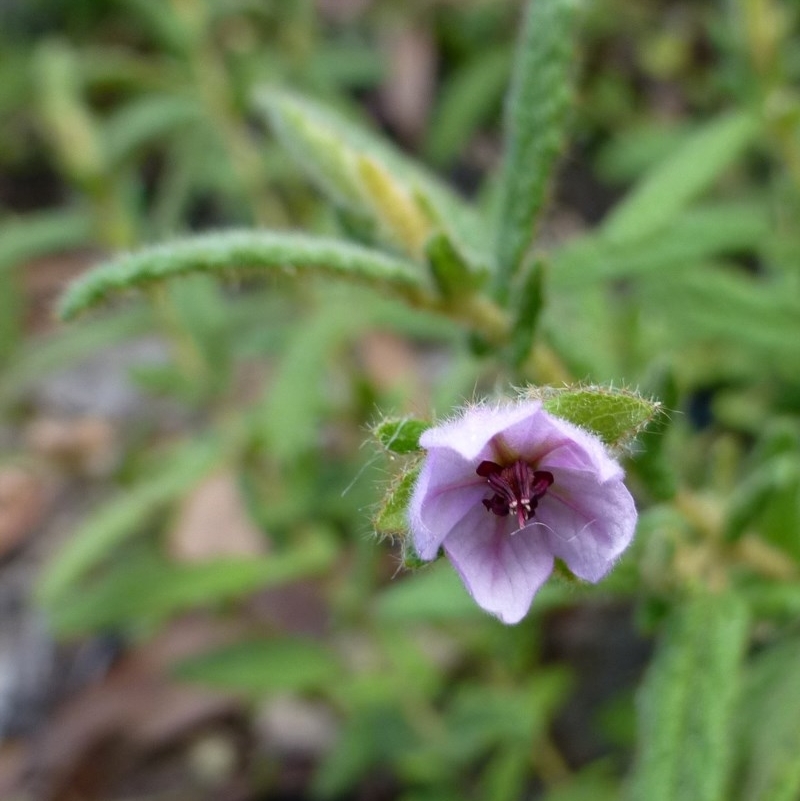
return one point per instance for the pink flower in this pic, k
(506, 489)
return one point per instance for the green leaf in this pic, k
(778, 478)
(296, 399)
(39, 234)
(115, 600)
(652, 463)
(590, 784)
(128, 513)
(264, 666)
(686, 703)
(340, 156)
(22, 239)
(777, 600)
(768, 734)
(536, 114)
(149, 118)
(466, 100)
(40, 357)
(480, 716)
(751, 316)
(639, 147)
(237, 254)
(453, 275)
(432, 593)
(392, 517)
(690, 238)
(677, 180)
(614, 415)
(371, 737)
(400, 435)
(507, 773)
(527, 308)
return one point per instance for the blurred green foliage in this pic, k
(666, 258)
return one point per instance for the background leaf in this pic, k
(238, 254)
(536, 113)
(126, 514)
(767, 734)
(115, 600)
(330, 147)
(263, 666)
(688, 172)
(686, 703)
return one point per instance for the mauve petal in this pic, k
(469, 434)
(586, 452)
(588, 524)
(446, 490)
(502, 571)
(549, 442)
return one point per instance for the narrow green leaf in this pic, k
(239, 253)
(400, 435)
(480, 715)
(296, 399)
(453, 275)
(686, 703)
(688, 172)
(331, 149)
(22, 239)
(264, 666)
(373, 736)
(115, 600)
(590, 784)
(768, 730)
(507, 773)
(40, 357)
(652, 463)
(38, 234)
(614, 415)
(689, 239)
(536, 114)
(527, 307)
(751, 316)
(466, 100)
(433, 593)
(150, 117)
(634, 149)
(780, 476)
(128, 513)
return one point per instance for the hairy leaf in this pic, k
(686, 703)
(239, 253)
(334, 150)
(400, 435)
(768, 731)
(536, 114)
(614, 415)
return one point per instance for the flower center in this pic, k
(518, 488)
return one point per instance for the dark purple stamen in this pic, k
(518, 488)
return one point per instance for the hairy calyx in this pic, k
(518, 488)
